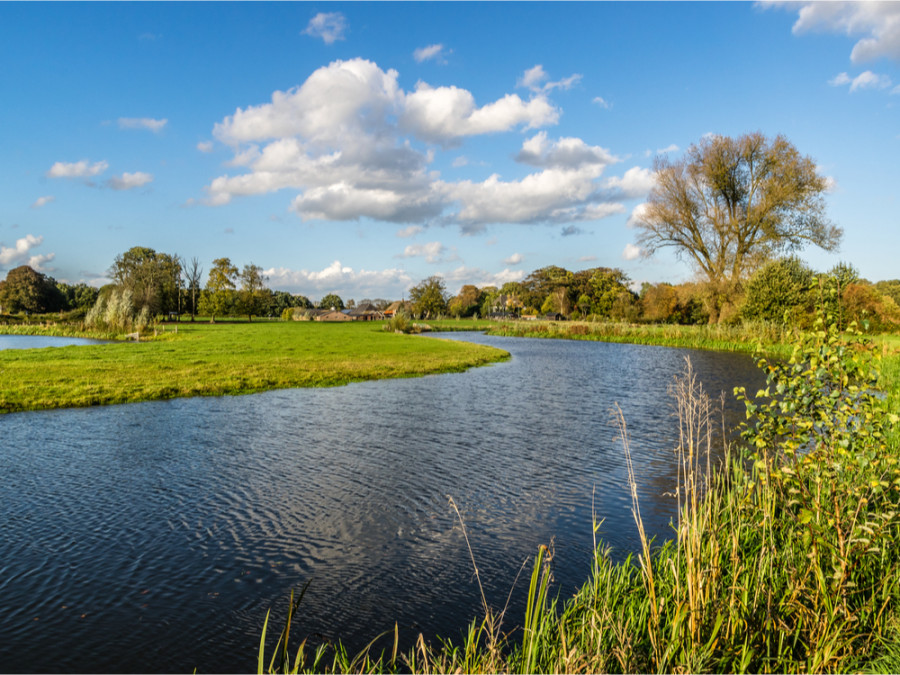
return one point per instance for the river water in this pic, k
(153, 537)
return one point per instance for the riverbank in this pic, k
(223, 359)
(785, 559)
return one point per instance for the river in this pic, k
(153, 537)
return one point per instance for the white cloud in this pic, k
(43, 201)
(865, 80)
(330, 26)
(142, 123)
(129, 181)
(338, 278)
(478, 277)
(348, 141)
(431, 52)
(638, 213)
(570, 153)
(433, 252)
(410, 231)
(21, 253)
(446, 114)
(514, 259)
(535, 79)
(840, 79)
(631, 252)
(82, 169)
(205, 146)
(460, 162)
(669, 148)
(877, 22)
(636, 182)
(603, 103)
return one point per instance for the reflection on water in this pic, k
(41, 341)
(154, 537)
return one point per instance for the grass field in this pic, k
(224, 358)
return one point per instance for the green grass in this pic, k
(223, 359)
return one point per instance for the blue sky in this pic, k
(358, 148)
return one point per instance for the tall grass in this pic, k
(784, 558)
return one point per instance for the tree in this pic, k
(153, 278)
(194, 276)
(25, 290)
(254, 296)
(780, 292)
(731, 204)
(429, 297)
(219, 296)
(78, 297)
(332, 300)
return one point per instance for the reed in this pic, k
(784, 556)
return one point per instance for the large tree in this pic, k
(25, 290)
(254, 296)
(219, 296)
(154, 279)
(429, 297)
(730, 204)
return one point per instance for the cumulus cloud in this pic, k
(129, 181)
(631, 252)
(878, 24)
(205, 146)
(349, 142)
(20, 253)
(43, 201)
(865, 80)
(433, 252)
(330, 26)
(142, 123)
(446, 114)
(638, 214)
(514, 259)
(564, 153)
(82, 169)
(668, 148)
(338, 278)
(636, 182)
(431, 53)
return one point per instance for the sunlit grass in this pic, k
(216, 359)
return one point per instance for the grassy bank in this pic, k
(715, 337)
(784, 559)
(218, 359)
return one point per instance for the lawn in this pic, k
(216, 359)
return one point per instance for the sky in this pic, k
(359, 148)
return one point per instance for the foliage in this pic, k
(194, 273)
(152, 278)
(429, 298)
(332, 300)
(115, 312)
(254, 297)
(26, 290)
(218, 298)
(732, 203)
(781, 292)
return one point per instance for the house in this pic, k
(366, 312)
(398, 306)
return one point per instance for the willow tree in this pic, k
(731, 204)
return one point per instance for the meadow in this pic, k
(204, 359)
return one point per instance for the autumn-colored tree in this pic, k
(730, 204)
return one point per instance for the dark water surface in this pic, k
(153, 537)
